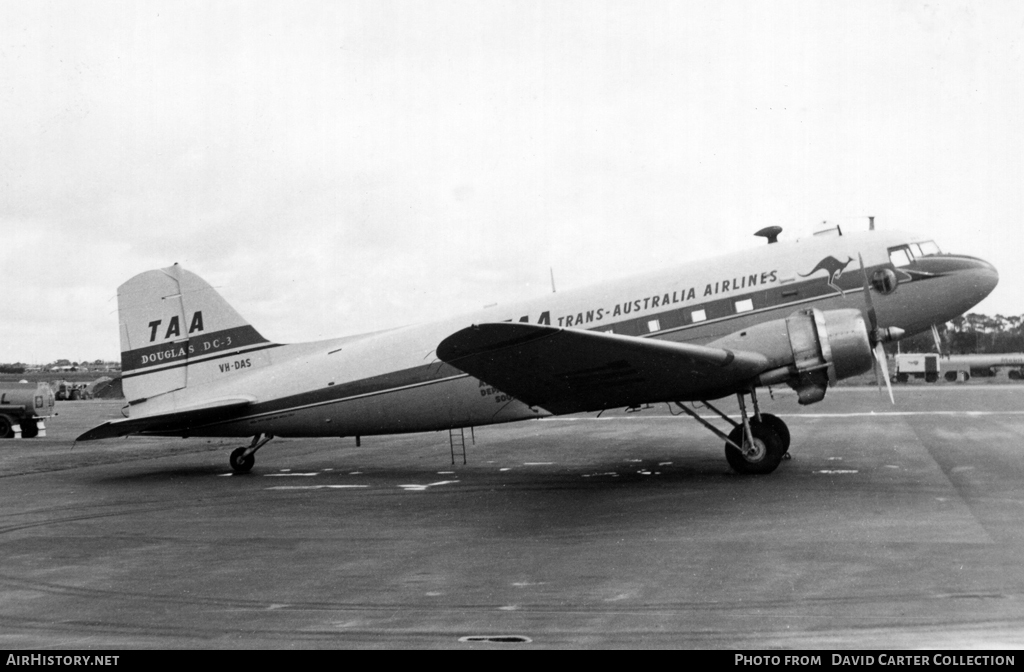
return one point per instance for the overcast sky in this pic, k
(340, 167)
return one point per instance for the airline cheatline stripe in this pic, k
(389, 382)
(427, 374)
(212, 346)
(196, 347)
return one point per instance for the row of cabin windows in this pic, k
(699, 315)
(899, 256)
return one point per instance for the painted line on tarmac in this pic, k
(313, 487)
(855, 414)
(416, 487)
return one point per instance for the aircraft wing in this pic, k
(569, 371)
(182, 419)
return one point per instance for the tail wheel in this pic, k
(240, 462)
(760, 458)
(775, 423)
(6, 428)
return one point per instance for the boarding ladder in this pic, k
(457, 437)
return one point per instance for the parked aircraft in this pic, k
(804, 314)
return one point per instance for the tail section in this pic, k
(174, 326)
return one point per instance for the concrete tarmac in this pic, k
(891, 527)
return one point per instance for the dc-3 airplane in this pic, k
(804, 314)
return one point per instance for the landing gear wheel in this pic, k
(6, 428)
(775, 423)
(240, 462)
(762, 457)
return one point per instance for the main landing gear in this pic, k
(243, 458)
(755, 445)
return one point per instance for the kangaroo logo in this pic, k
(833, 267)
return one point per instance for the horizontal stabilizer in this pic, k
(181, 420)
(569, 371)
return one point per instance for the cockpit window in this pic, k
(900, 256)
(929, 248)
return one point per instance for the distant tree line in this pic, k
(22, 367)
(973, 333)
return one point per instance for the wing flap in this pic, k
(569, 371)
(182, 419)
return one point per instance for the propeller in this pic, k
(878, 335)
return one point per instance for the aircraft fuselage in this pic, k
(392, 382)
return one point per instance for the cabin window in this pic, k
(699, 315)
(744, 305)
(884, 280)
(654, 325)
(900, 256)
(929, 248)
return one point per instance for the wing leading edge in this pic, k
(181, 420)
(570, 371)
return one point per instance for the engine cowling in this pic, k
(809, 350)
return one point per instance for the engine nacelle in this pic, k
(808, 350)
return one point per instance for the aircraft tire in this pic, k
(240, 464)
(780, 427)
(6, 427)
(768, 454)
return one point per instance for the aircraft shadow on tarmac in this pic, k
(660, 470)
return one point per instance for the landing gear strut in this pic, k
(242, 459)
(755, 445)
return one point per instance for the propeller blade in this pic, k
(938, 341)
(872, 317)
(881, 361)
(877, 335)
(878, 379)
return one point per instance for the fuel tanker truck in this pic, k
(22, 410)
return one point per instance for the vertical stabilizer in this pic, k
(172, 320)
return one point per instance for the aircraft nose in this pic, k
(980, 278)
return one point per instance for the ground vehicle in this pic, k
(71, 391)
(956, 367)
(22, 410)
